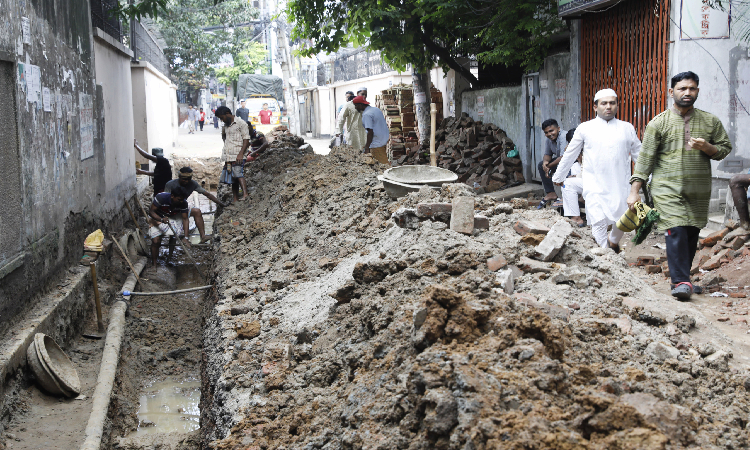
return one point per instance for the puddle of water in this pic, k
(171, 405)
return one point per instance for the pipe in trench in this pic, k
(110, 358)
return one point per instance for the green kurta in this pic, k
(681, 182)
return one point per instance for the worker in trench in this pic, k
(237, 135)
(610, 146)
(186, 182)
(169, 216)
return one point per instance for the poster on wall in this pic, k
(700, 21)
(33, 83)
(87, 126)
(26, 30)
(46, 100)
(561, 84)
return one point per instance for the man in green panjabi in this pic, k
(678, 146)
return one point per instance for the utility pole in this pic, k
(288, 72)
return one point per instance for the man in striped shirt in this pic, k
(678, 147)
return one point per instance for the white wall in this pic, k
(154, 108)
(717, 91)
(112, 63)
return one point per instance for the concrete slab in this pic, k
(520, 191)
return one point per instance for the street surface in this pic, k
(208, 143)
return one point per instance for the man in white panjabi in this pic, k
(610, 146)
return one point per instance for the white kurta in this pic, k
(609, 148)
(356, 136)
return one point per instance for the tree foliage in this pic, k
(250, 58)
(192, 51)
(429, 32)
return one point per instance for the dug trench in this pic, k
(343, 319)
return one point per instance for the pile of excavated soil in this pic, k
(334, 328)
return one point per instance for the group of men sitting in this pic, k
(170, 213)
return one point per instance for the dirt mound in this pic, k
(369, 335)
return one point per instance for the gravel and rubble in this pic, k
(343, 319)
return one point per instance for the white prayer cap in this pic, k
(605, 93)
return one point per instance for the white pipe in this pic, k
(108, 369)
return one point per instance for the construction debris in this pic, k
(476, 151)
(370, 334)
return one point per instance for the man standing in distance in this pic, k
(265, 115)
(377, 130)
(678, 146)
(355, 132)
(553, 150)
(242, 112)
(610, 145)
(235, 145)
(192, 119)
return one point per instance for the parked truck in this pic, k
(257, 90)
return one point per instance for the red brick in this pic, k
(645, 261)
(481, 222)
(715, 262)
(497, 262)
(653, 269)
(738, 295)
(431, 209)
(713, 238)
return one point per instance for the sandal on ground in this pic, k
(682, 291)
(542, 204)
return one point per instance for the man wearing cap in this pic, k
(678, 147)
(610, 146)
(188, 185)
(377, 130)
(355, 132)
(162, 172)
(348, 96)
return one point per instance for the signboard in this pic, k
(561, 85)
(571, 7)
(87, 126)
(700, 21)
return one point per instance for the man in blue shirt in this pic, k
(377, 130)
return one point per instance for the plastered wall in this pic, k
(64, 173)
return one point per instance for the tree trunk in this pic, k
(288, 72)
(421, 82)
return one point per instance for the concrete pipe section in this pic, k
(108, 370)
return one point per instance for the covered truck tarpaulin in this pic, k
(251, 84)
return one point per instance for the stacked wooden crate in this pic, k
(436, 97)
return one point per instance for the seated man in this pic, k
(188, 185)
(738, 185)
(573, 187)
(553, 151)
(168, 209)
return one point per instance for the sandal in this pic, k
(542, 204)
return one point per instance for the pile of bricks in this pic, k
(721, 247)
(397, 104)
(476, 151)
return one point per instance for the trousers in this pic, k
(682, 243)
(549, 186)
(572, 188)
(599, 231)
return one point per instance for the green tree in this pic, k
(426, 33)
(191, 50)
(253, 56)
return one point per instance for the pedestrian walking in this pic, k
(678, 147)
(201, 118)
(573, 187)
(377, 130)
(192, 119)
(216, 119)
(610, 145)
(553, 150)
(350, 118)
